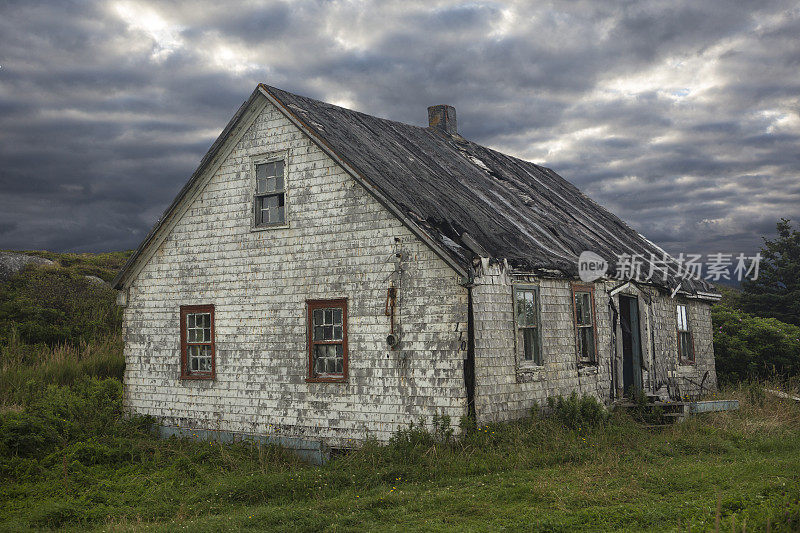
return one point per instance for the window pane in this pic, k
(530, 344)
(279, 182)
(578, 308)
(270, 184)
(686, 352)
(318, 314)
(587, 308)
(277, 169)
(329, 316)
(328, 359)
(526, 308)
(261, 171)
(530, 309)
(586, 342)
(261, 186)
(337, 316)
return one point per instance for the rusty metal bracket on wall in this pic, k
(391, 302)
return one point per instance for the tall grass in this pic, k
(25, 370)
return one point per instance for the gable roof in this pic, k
(467, 200)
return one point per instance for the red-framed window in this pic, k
(198, 353)
(585, 320)
(685, 340)
(327, 340)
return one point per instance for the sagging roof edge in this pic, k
(205, 163)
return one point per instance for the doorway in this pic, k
(631, 344)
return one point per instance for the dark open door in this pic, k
(631, 343)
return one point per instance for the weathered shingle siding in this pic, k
(341, 244)
(505, 392)
(686, 378)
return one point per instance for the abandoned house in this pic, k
(328, 276)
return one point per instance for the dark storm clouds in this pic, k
(681, 117)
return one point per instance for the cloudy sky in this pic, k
(681, 117)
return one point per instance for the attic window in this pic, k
(327, 340)
(527, 316)
(685, 341)
(269, 201)
(585, 324)
(197, 342)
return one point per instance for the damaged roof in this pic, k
(473, 200)
(469, 200)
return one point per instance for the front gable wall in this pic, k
(339, 243)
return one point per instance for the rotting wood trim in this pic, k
(582, 287)
(311, 305)
(185, 373)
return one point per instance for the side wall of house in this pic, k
(340, 243)
(506, 390)
(682, 378)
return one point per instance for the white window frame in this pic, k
(271, 157)
(683, 327)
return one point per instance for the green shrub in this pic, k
(749, 347)
(577, 412)
(60, 415)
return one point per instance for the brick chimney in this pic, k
(443, 118)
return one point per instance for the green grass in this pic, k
(91, 468)
(25, 369)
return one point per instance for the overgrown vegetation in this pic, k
(59, 304)
(57, 325)
(757, 329)
(70, 459)
(751, 347)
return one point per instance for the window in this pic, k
(685, 342)
(585, 329)
(270, 197)
(526, 311)
(197, 342)
(327, 340)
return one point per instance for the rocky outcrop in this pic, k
(13, 262)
